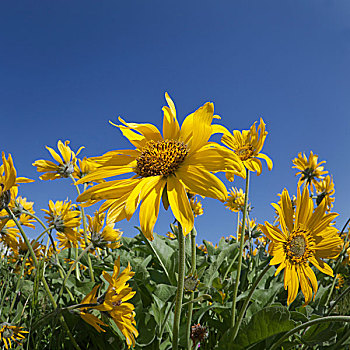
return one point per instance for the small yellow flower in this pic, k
(164, 167)
(64, 218)
(310, 169)
(235, 200)
(8, 180)
(196, 206)
(101, 236)
(324, 191)
(66, 162)
(306, 236)
(248, 145)
(339, 281)
(10, 333)
(115, 302)
(171, 235)
(84, 167)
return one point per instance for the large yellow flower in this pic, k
(310, 169)
(163, 167)
(66, 162)
(10, 333)
(305, 236)
(248, 145)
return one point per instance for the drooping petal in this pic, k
(180, 204)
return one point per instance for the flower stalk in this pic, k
(193, 272)
(240, 256)
(180, 289)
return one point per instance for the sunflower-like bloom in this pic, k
(306, 236)
(20, 249)
(101, 236)
(115, 303)
(339, 281)
(64, 218)
(163, 167)
(324, 191)
(9, 233)
(248, 145)
(197, 207)
(8, 179)
(84, 167)
(66, 162)
(10, 333)
(235, 200)
(310, 170)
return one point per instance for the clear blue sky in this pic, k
(68, 67)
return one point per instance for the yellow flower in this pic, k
(64, 218)
(171, 235)
(84, 167)
(235, 200)
(248, 145)
(8, 179)
(196, 206)
(115, 302)
(103, 237)
(163, 167)
(324, 190)
(306, 235)
(310, 170)
(339, 281)
(10, 333)
(66, 162)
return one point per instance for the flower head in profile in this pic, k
(324, 191)
(310, 169)
(9, 334)
(84, 167)
(64, 218)
(306, 236)
(197, 207)
(248, 145)
(235, 200)
(339, 281)
(8, 180)
(115, 303)
(100, 236)
(163, 167)
(66, 162)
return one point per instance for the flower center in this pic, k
(297, 247)
(244, 152)
(161, 158)
(58, 223)
(66, 169)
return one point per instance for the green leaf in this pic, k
(264, 324)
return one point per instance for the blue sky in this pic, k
(68, 67)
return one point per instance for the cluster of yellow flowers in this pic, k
(170, 168)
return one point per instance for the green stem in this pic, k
(180, 289)
(341, 296)
(308, 324)
(43, 280)
(247, 300)
(193, 271)
(230, 266)
(73, 267)
(91, 270)
(239, 267)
